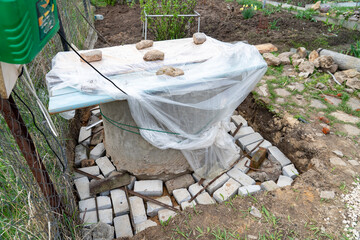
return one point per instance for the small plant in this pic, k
(248, 13)
(307, 14)
(355, 49)
(165, 223)
(273, 24)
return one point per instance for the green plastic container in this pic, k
(25, 27)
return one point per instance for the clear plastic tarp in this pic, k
(195, 107)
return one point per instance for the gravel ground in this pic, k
(352, 214)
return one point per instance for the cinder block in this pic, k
(98, 151)
(217, 184)
(269, 185)
(84, 134)
(122, 226)
(137, 209)
(80, 154)
(119, 202)
(88, 218)
(195, 188)
(205, 199)
(276, 155)
(284, 181)
(249, 190)
(87, 205)
(105, 166)
(241, 177)
(181, 195)
(83, 187)
(103, 202)
(237, 119)
(244, 131)
(290, 171)
(93, 170)
(187, 204)
(149, 187)
(227, 191)
(241, 165)
(152, 208)
(144, 225)
(180, 182)
(106, 216)
(165, 214)
(249, 139)
(265, 144)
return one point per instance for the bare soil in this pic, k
(224, 21)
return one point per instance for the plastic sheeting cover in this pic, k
(196, 106)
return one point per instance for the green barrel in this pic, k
(25, 27)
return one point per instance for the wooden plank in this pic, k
(107, 184)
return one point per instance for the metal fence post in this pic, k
(18, 129)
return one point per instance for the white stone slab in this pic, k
(269, 185)
(144, 225)
(227, 191)
(137, 209)
(93, 170)
(119, 202)
(265, 144)
(249, 139)
(88, 218)
(204, 199)
(166, 214)
(98, 151)
(244, 131)
(241, 177)
(152, 208)
(249, 190)
(181, 195)
(84, 134)
(284, 181)
(274, 154)
(103, 202)
(195, 188)
(290, 171)
(241, 165)
(87, 205)
(149, 187)
(106, 216)
(83, 187)
(105, 166)
(122, 226)
(186, 204)
(237, 119)
(217, 184)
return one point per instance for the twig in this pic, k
(153, 200)
(237, 129)
(86, 174)
(333, 77)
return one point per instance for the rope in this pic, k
(116, 124)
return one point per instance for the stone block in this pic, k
(80, 154)
(255, 212)
(241, 177)
(122, 226)
(137, 209)
(144, 225)
(132, 182)
(275, 154)
(166, 214)
(337, 161)
(204, 199)
(217, 184)
(103, 202)
(249, 190)
(241, 165)
(149, 187)
(179, 182)
(84, 134)
(199, 38)
(181, 195)
(290, 171)
(88, 218)
(91, 56)
(187, 204)
(106, 216)
(265, 144)
(195, 188)
(94, 170)
(227, 191)
(269, 185)
(87, 205)
(102, 231)
(152, 208)
(249, 139)
(284, 181)
(98, 151)
(244, 131)
(327, 195)
(119, 202)
(136, 155)
(237, 119)
(105, 166)
(83, 187)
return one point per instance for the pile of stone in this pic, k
(302, 64)
(118, 215)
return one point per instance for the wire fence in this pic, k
(36, 193)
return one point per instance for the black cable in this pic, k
(90, 64)
(34, 121)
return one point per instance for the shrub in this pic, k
(248, 13)
(168, 27)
